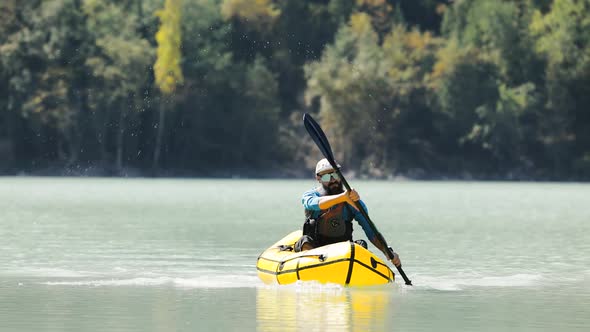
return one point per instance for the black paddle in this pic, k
(320, 139)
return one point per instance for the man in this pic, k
(329, 211)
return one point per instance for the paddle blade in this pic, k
(320, 139)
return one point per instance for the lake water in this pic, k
(83, 254)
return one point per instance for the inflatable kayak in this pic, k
(345, 263)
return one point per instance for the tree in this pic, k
(502, 129)
(499, 29)
(7, 22)
(259, 13)
(563, 38)
(167, 68)
(372, 96)
(488, 65)
(465, 80)
(119, 63)
(41, 60)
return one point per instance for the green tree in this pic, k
(500, 29)
(7, 22)
(260, 13)
(563, 38)
(257, 109)
(119, 62)
(371, 96)
(41, 59)
(465, 80)
(488, 62)
(502, 129)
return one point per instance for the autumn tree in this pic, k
(167, 69)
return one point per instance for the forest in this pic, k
(417, 89)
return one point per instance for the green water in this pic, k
(179, 255)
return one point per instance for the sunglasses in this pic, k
(326, 177)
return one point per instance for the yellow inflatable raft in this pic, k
(344, 263)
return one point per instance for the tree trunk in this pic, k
(74, 133)
(120, 134)
(159, 134)
(100, 121)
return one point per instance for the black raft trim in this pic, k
(296, 270)
(374, 270)
(349, 275)
(275, 273)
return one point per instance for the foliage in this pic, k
(372, 95)
(422, 88)
(121, 57)
(260, 12)
(563, 39)
(167, 67)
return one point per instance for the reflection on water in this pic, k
(317, 307)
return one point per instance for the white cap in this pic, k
(323, 165)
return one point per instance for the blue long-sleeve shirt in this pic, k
(311, 202)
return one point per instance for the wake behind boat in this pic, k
(344, 263)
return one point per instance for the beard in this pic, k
(333, 188)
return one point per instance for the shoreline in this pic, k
(284, 174)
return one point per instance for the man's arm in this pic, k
(370, 232)
(313, 201)
(395, 260)
(326, 202)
